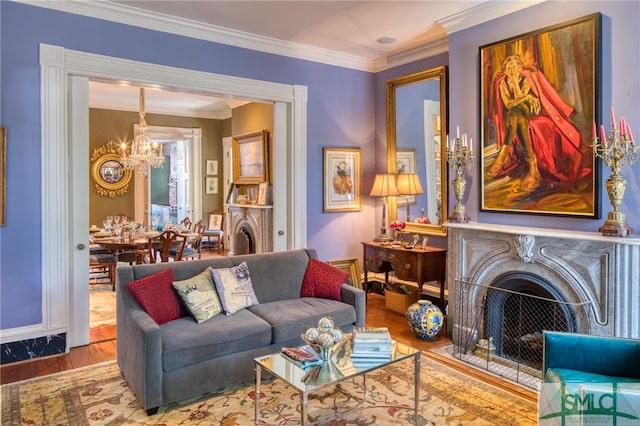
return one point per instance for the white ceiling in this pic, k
(336, 32)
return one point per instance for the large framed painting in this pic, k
(342, 179)
(251, 158)
(538, 102)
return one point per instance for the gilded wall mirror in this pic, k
(416, 128)
(109, 175)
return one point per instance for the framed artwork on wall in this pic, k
(211, 185)
(212, 167)
(342, 179)
(405, 163)
(251, 158)
(539, 98)
(351, 266)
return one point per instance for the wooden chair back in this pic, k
(160, 246)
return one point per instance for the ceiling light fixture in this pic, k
(386, 40)
(142, 154)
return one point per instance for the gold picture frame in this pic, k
(108, 173)
(251, 158)
(342, 179)
(3, 175)
(350, 265)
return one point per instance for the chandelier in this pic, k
(142, 153)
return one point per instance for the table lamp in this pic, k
(409, 184)
(384, 186)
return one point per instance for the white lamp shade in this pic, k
(384, 186)
(409, 184)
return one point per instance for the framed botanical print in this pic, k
(211, 185)
(342, 179)
(539, 98)
(212, 167)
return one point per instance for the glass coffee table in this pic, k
(339, 368)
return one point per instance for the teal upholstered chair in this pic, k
(591, 373)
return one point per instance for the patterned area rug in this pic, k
(102, 305)
(99, 395)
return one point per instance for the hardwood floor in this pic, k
(103, 348)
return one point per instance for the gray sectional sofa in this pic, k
(182, 358)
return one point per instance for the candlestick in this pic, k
(616, 150)
(460, 157)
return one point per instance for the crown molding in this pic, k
(188, 28)
(124, 14)
(482, 13)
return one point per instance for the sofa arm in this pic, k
(139, 350)
(609, 356)
(357, 298)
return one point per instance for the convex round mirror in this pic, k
(109, 175)
(416, 129)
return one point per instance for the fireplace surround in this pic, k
(598, 275)
(250, 229)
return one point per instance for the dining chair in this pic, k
(102, 262)
(160, 246)
(186, 223)
(193, 246)
(214, 230)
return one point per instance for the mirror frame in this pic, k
(392, 84)
(101, 155)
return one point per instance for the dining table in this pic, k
(119, 245)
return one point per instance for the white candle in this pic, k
(470, 145)
(458, 132)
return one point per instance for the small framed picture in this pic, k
(342, 180)
(211, 185)
(351, 266)
(212, 167)
(263, 189)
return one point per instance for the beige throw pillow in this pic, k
(199, 295)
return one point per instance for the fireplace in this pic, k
(250, 229)
(507, 284)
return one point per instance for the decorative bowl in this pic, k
(325, 352)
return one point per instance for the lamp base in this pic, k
(383, 238)
(616, 226)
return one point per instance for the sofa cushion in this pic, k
(156, 295)
(234, 288)
(184, 342)
(199, 295)
(323, 280)
(290, 318)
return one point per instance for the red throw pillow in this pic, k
(323, 280)
(156, 295)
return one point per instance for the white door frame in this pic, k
(59, 236)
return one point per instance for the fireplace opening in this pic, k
(518, 307)
(244, 243)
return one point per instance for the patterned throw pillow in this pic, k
(156, 296)
(234, 288)
(323, 280)
(199, 296)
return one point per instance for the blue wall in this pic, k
(346, 108)
(620, 87)
(340, 113)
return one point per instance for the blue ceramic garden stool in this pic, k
(425, 319)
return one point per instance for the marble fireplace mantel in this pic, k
(600, 272)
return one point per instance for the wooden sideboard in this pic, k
(417, 264)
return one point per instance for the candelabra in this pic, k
(460, 157)
(615, 150)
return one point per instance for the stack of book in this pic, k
(371, 346)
